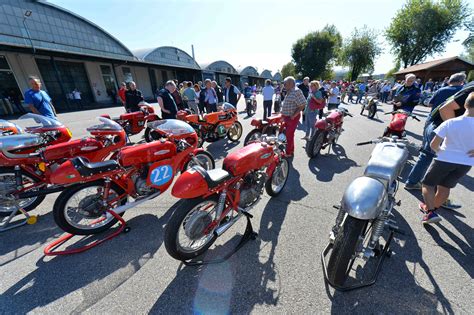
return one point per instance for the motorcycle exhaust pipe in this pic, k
(130, 205)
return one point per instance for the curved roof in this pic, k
(167, 55)
(249, 70)
(277, 77)
(220, 66)
(54, 28)
(267, 74)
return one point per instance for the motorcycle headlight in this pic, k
(282, 137)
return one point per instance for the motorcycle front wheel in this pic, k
(277, 182)
(372, 111)
(314, 145)
(187, 233)
(205, 160)
(252, 136)
(235, 132)
(344, 249)
(8, 185)
(78, 210)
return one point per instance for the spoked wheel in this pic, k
(372, 111)
(235, 132)
(349, 236)
(204, 159)
(252, 136)
(8, 186)
(190, 230)
(313, 146)
(276, 183)
(79, 210)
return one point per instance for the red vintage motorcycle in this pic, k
(327, 131)
(133, 123)
(217, 199)
(215, 126)
(273, 126)
(141, 172)
(396, 127)
(27, 161)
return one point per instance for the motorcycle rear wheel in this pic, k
(235, 132)
(344, 249)
(190, 212)
(314, 145)
(372, 111)
(7, 175)
(253, 135)
(63, 218)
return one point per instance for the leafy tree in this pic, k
(288, 70)
(391, 73)
(314, 54)
(422, 28)
(359, 52)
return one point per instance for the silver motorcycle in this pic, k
(365, 214)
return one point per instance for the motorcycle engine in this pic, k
(141, 186)
(251, 188)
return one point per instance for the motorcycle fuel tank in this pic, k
(364, 198)
(146, 153)
(387, 161)
(250, 157)
(398, 122)
(335, 117)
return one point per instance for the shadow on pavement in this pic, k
(414, 135)
(468, 182)
(221, 148)
(397, 289)
(94, 274)
(325, 166)
(247, 279)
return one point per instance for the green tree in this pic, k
(288, 70)
(422, 28)
(391, 73)
(314, 54)
(359, 52)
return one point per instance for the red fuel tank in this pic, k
(335, 117)
(250, 157)
(72, 148)
(146, 153)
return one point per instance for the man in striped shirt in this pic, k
(294, 103)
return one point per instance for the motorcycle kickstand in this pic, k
(29, 219)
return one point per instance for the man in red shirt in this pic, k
(121, 92)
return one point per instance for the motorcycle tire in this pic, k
(314, 145)
(240, 129)
(249, 111)
(344, 249)
(34, 201)
(284, 166)
(148, 137)
(207, 156)
(177, 221)
(59, 209)
(252, 136)
(372, 111)
(386, 132)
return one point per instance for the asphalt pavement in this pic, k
(280, 272)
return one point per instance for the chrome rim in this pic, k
(318, 143)
(203, 160)
(77, 207)
(207, 209)
(255, 137)
(8, 186)
(235, 132)
(280, 176)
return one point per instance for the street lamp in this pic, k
(26, 15)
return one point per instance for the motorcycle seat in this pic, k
(213, 177)
(85, 168)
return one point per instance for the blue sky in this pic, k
(258, 33)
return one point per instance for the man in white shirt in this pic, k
(454, 146)
(333, 100)
(267, 92)
(77, 97)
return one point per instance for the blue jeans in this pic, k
(424, 158)
(309, 122)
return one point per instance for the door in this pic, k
(10, 94)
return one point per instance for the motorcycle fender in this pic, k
(271, 168)
(153, 117)
(321, 124)
(160, 175)
(365, 198)
(191, 184)
(65, 174)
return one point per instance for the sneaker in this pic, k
(431, 217)
(416, 186)
(450, 205)
(423, 208)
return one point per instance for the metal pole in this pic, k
(29, 36)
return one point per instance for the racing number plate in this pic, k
(161, 175)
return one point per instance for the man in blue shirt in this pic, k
(38, 100)
(455, 82)
(408, 95)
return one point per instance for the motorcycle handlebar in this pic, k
(364, 143)
(416, 118)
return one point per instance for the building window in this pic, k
(3, 63)
(162, 55)
(109, 80)
(127, 74)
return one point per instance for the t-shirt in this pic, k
(460, 98)
(168, 103)
(442, 95)
(457, 134)
(190, 94)
(236, 91)
(41, 101)
(267, 93)
(77, 95)
(304, 88)
(333, 98)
